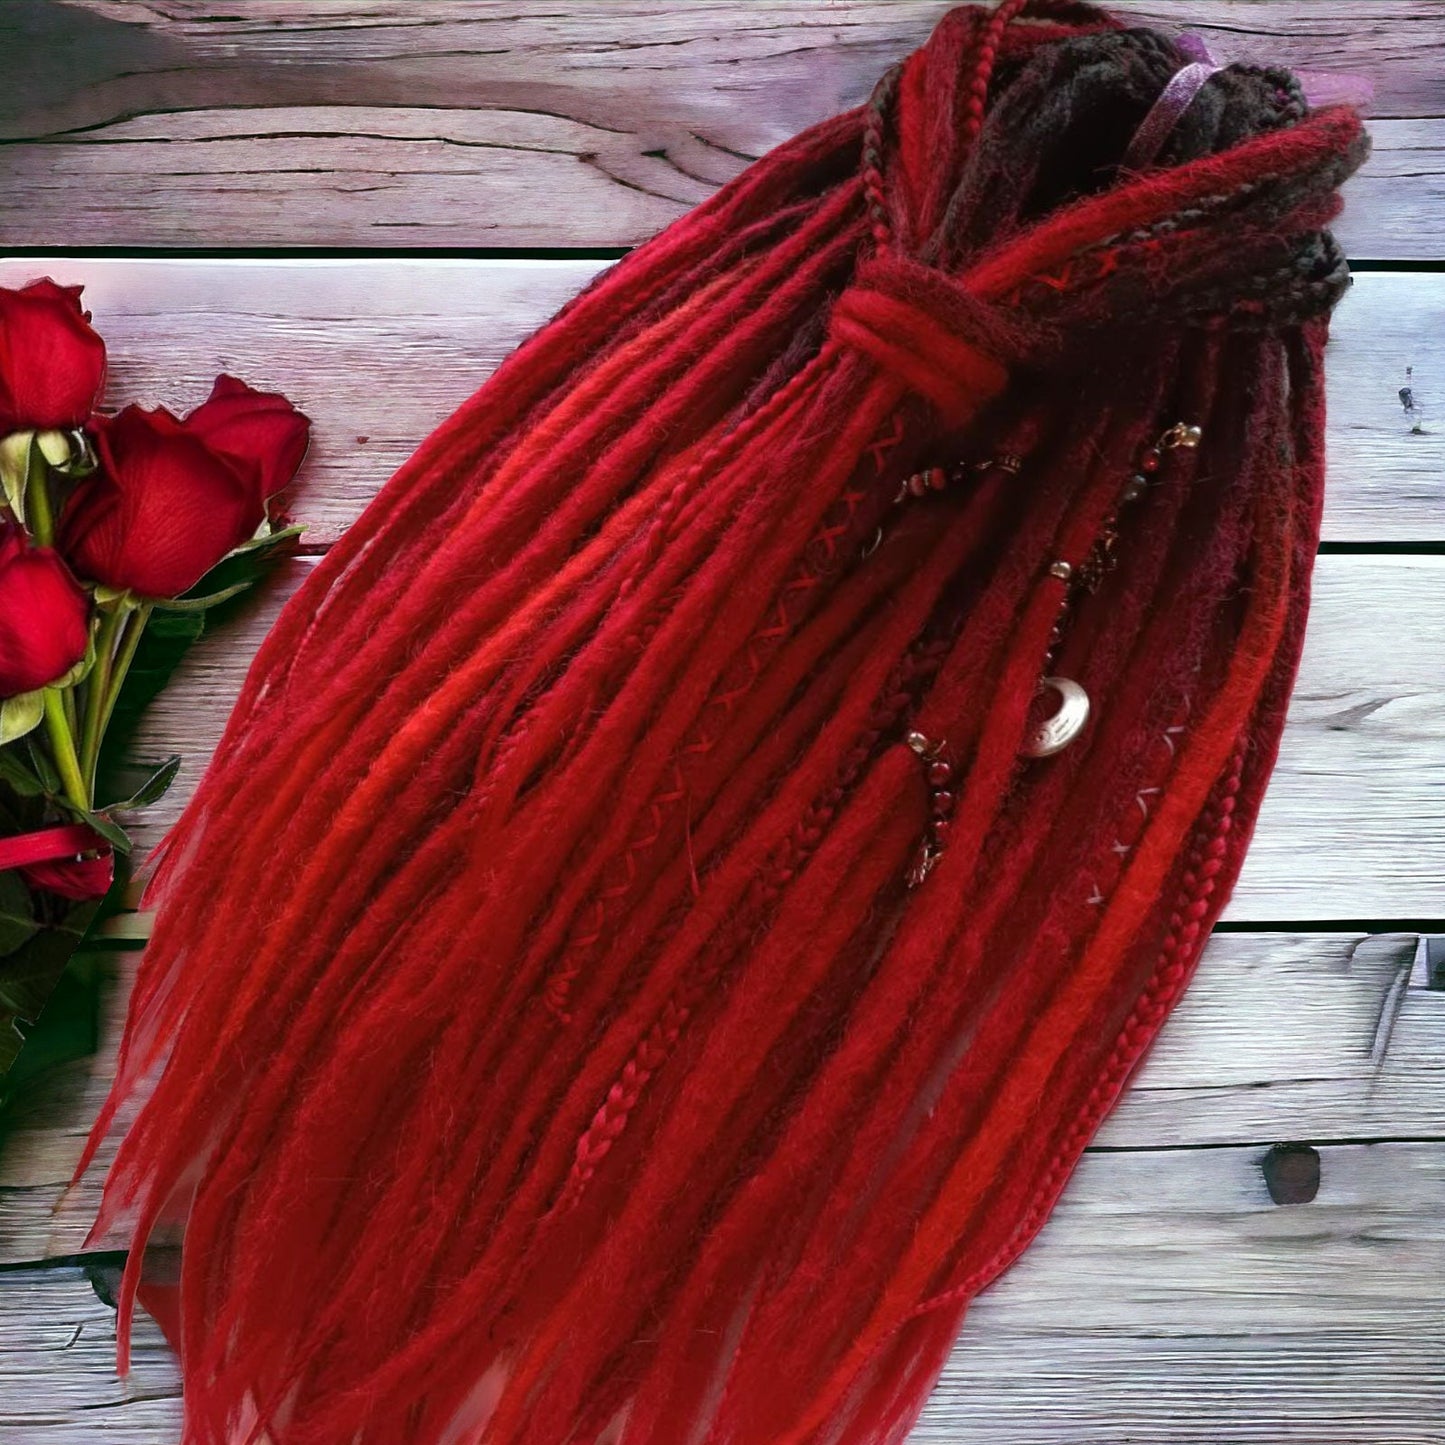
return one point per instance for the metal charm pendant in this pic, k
(1056, 733)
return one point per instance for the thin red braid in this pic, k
(643, 956)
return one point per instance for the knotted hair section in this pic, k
(924, 328)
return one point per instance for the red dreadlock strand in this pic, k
(642, 958)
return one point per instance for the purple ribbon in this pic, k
(1164, 114)
(1320, 88)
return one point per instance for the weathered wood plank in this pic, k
(1376, 1385)
(1310, 1037)
(486, 123)
(375, 352)
(1168, 1299)
(57, 1368)
(378, 352)
(1353, 826)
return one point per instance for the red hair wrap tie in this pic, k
(924, 328)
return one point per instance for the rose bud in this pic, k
(171, 497)
(52, 365)
(44, 615)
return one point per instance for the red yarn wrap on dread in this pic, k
(644, 955)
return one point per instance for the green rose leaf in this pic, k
(17, 914)
(18, 777)
(28, 978)
(265, 540)
(201, 604)
(21, 714)
(66, 1028)
(42, 767)
(15, 470)
(241, 568)
(112, 832)
(155, 787)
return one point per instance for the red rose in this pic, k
(52, 365)
(171, 497)
(44, 616)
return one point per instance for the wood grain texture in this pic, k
(485, 123)
(1224, 1318)
(1353, 825)
(1168, 1300)
(1330, 1038)
(378, 352)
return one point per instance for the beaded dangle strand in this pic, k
(1071, 716)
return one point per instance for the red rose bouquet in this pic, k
(107, 522)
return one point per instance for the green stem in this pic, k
(96, 692)
(62, 743)
(135, 625)
(37, 498)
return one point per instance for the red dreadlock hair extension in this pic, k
(643, 956)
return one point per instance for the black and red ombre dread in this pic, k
(642, 959)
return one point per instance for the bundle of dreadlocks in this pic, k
(694, 864)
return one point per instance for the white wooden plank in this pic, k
(1375, 1385)
(378, 352)
(58, 1384)
(1353, 824)
(1167, 1299)
(1310, 1037)
(481, 122)
(1386, 465)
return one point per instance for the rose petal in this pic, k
(78, 878)
(258, 428)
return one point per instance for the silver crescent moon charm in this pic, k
(1055, 733)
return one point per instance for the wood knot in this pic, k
(1292, 1173)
